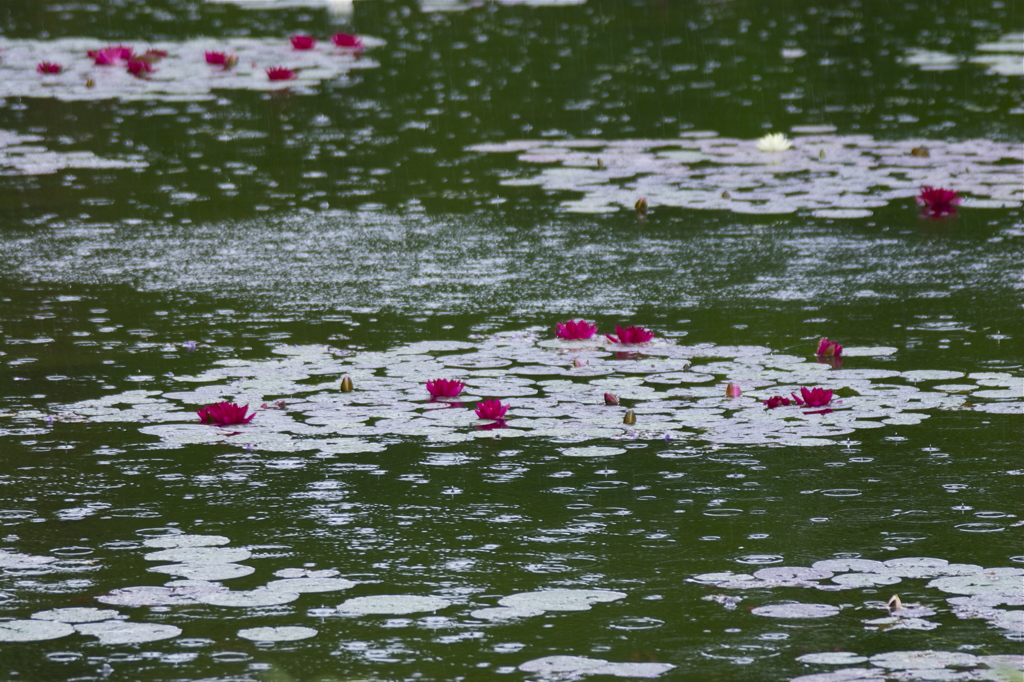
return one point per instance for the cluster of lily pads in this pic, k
(819, 172)
(552, 388)
(199, 565)
(75, 68)
(982, 593)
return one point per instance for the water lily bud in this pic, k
(726, 195)
(733, 391)
(346, 385)
(630, 417)
(641, 206)
(90, 83)
(894, 603)
(600, 163)
(610, 399)
(920, 151)
(230, 61)
(821, 153)
(576, 362)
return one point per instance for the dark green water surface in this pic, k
(353, 217)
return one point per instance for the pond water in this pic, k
(430, 205)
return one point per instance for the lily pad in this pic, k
(572, 667)
(391, 604)
(560, 599)
(125, 632)
(78, 614)
(33, 630)
(284, 633)
(796, 610)
(261, 596)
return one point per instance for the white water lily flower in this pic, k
(774, 142)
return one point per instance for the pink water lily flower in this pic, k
(224, 413)
(813, 397)
(49, 67)
(631, 335)
(217, 58)
(938, 201)
(301, 42)
(105, 57)
(491, 409)
(829, 348)
(776, 401)
(733, 390)
(575, 330)
(349, 42)
(445, 388)
(139, 67)
(279, 73)
(611, 399)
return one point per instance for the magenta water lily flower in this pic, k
(776, 401)
(938, 201)
(813, 397)
(829, 348)
(301, 42)
(733, 390)
(49, 67)
(279, 73)
(575, 330)
(217, 58)
(224, 413)
(139, 67)
(630, 335)
(349, 42)
(491, 409)
(611, 399)
(110, 55)
(445, 388)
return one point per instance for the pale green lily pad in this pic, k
(78, 614)
(184, 540)
(284, 633)
(33, 630)
(302, 585)
(391, 604)
(261, 596)
(832, 658)
(560, 599)
(592, 451)
(796, 610)
(924, 660)
(112, 632)
(574, 667)
(172, 595)
(201, 555)
(209, 572)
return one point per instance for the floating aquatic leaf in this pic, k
(832, 658)
(841, 565)
(125, 632)
(560, 599)
(865, 579)
(391, 604)
(505, 613)
(261, 596)
(33, 630)
(284, 633)
(211, 572)
(592, 451)
(924, 660)
(572, 667)
(303, 585)
(77, 615)
(184, 540)
(201, 555)
(792, 573)
(843, 675)
(160, 596)
(796, 610)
